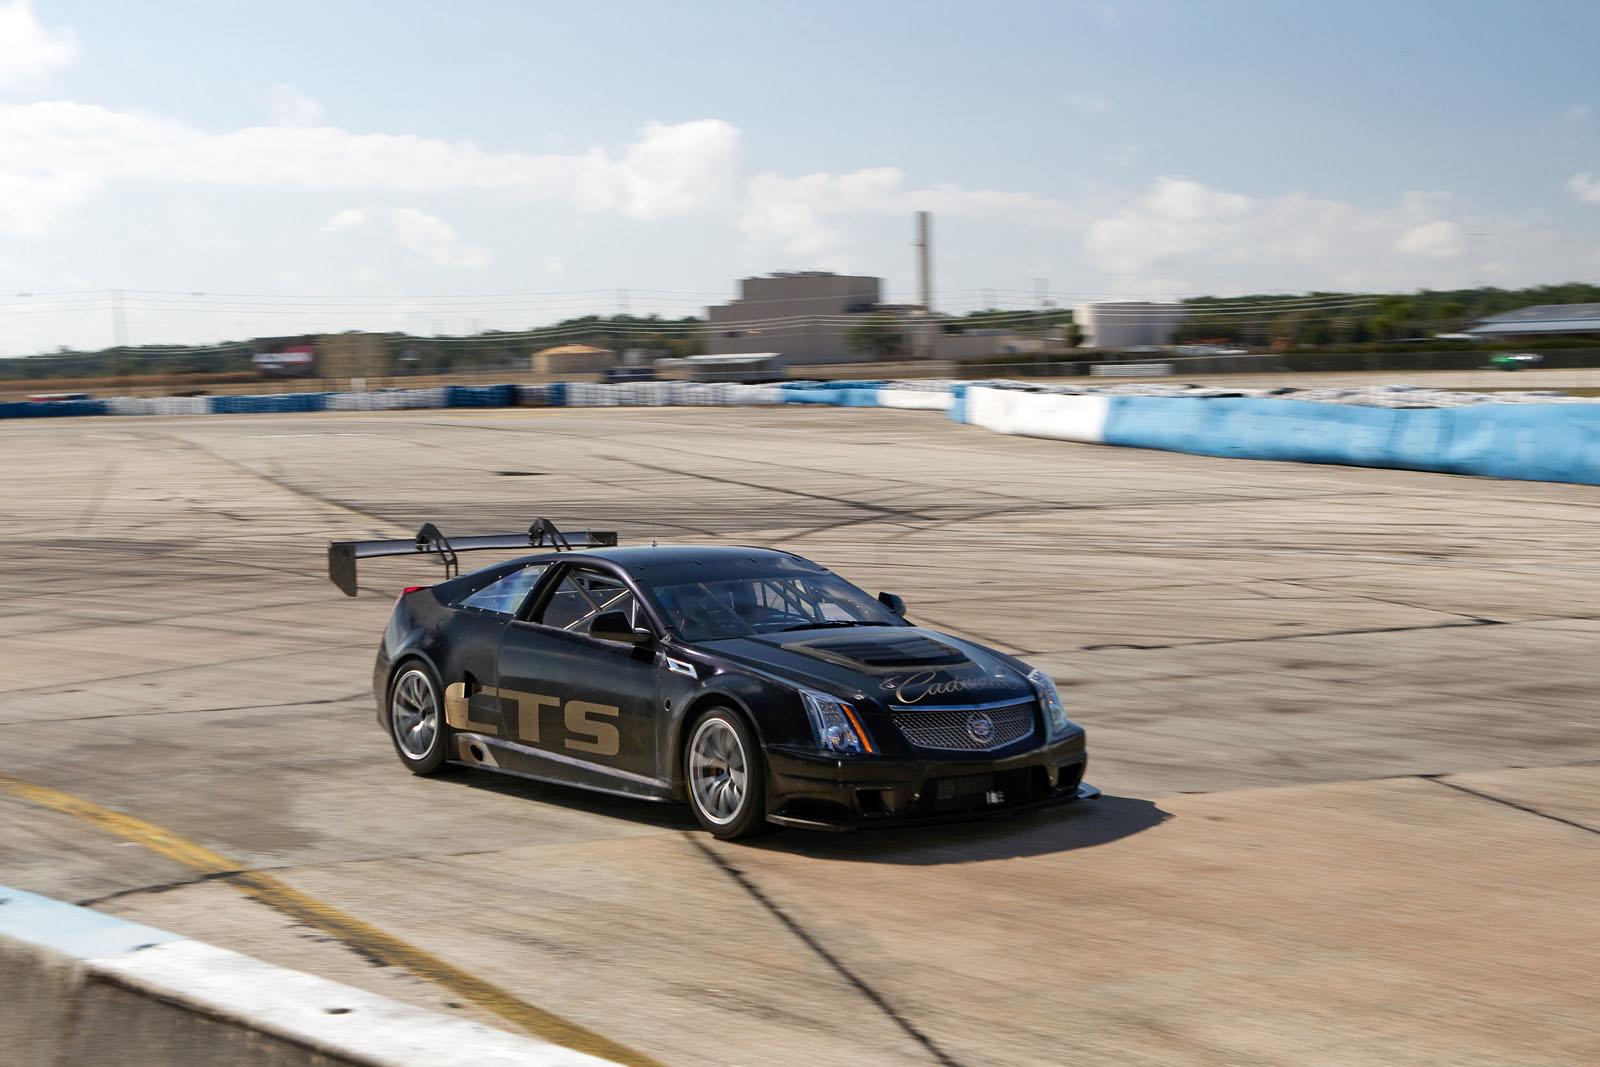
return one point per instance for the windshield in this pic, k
(740, 607)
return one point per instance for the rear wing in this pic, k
(342, 555)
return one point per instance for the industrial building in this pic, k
(806, 315)
(1128, 323)
(1541, 320)
(572, 359)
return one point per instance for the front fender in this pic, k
(774, 712)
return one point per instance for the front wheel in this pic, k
(726, 775)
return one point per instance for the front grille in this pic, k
(961, 729)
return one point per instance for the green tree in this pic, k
(879, 337)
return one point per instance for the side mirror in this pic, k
(614, 626)
(894, 603)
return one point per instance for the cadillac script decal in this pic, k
(913, 688)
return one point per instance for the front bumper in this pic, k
(816, 792)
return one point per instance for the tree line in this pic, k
(1360, 318)
(1257, 321)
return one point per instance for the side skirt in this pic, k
(521, 761)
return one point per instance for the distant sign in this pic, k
(298, 359)
(1130, 370)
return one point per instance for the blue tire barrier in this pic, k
(958, 402)
(268, 404)
(47, 409)
(480, 396)
(845, 395)
(1531, 442)
(1537, 438)
(838, 384)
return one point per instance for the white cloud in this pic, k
(1089, 103)
(675, 170)
(29, 50)
(1440, 239)
(429, 236)
(29, 203)
(1585, 187)
(799, 215)
(434, 240)
(291, 107)
(1176, 216)
(1575, 113)
(668, 170)
(1183, 233)
(347, 219)
(1218, 241)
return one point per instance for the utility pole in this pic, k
(119, 332)
(622, 309)
(1478, 242)
(119, 321)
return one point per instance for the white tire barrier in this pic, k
(159, 405)
(1532, 435)
(916, 399)
(387, 400)
(661, 394)
(1053, 415)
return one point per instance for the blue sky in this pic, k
(357, 152)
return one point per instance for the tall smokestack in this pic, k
(925, 258)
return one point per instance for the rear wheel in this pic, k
(726, 776)
(416, 719)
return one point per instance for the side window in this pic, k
(505, 595)
(584, 594)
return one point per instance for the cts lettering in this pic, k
(587, 723)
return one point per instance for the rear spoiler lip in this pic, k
(342, 555)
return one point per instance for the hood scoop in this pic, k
(883, 652)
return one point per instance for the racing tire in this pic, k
(414, 714)
(725, 776)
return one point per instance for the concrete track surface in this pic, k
(1345, 721)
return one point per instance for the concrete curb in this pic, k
(84, 989)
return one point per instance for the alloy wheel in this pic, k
(717, 771)
(414, 715)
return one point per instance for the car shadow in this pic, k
(1043, 831)
(576, 798)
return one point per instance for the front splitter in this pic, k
(1084, 791)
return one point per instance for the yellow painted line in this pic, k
(359, 935)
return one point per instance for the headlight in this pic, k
(1055, 713)
(834, 724)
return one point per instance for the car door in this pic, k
(584, 704)
(470, 668)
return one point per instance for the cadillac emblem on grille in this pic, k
(980, 728)
(967, 729)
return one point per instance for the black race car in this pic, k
(757, 685)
